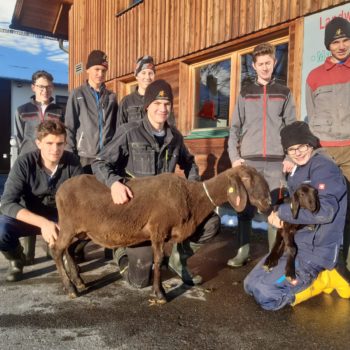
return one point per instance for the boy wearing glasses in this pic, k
(263, 108)
(318, 241)
(40, 108)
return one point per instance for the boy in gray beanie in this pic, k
(131, 106)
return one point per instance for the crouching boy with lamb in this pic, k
(318, 242)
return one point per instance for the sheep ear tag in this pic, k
(232, 192)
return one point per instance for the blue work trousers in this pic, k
(272, 290)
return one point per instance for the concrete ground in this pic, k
(36, 314)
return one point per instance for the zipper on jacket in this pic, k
(80, 140)
(264, 122)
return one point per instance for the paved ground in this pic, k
(36, 314)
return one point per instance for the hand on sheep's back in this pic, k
(120, 193)
(49, 232)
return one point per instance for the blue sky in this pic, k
(21, 55)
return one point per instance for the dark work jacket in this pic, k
(28, 185)
(319, 244)
(135, 152)
(28, 117)
(82, 120)
(131, 109)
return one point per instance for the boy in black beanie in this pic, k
(147, 148)
(328, 105)
(91, 119)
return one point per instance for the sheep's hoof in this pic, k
(292, 280)
(72, 292)
(157, 298)
(72, 295)
(80, 286)
(153, 302)
(267, 268)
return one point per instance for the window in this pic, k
(213, 94)
(216, 83)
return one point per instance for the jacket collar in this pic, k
(37, 103)
(329, 64)
(271, 82)
(149, 129)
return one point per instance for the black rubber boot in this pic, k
(180, 253)
(76, 250)
(17, 260)
(242, 256)
(29, 249)
(121, 259)
(135, 264)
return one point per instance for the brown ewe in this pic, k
(165, 207)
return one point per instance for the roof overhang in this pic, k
(42, 17)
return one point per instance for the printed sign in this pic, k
(315, 52)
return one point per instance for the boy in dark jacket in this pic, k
(147, 148)
(91, 119)
(28, 202)
(28, 117)
(318, 242)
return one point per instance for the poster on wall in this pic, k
(315, 52)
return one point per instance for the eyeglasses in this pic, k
(44, 87)
(301, 149)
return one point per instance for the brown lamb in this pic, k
(305, 197)
(165, 207)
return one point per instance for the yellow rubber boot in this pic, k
(316, 288)
(339, 283)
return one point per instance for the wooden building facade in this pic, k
(201, 47)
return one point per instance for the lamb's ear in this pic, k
(295, 205)
(237, 195)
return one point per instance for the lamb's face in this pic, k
(257, 188)
(305, 197)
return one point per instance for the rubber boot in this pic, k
(121, 259)
(244, 232)
(178, 262)
(17, 260)
(28, 243)
(76, 249)
(135, 264)
(316, 288)
(326, 282)
(271, 235)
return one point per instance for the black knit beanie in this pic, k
(298, 133)
(97, 58)
(144, 62)
(337, 28)
(158, 90)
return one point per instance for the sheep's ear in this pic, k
(237, 195)
(295, 205)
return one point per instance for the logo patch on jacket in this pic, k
(322, 186)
